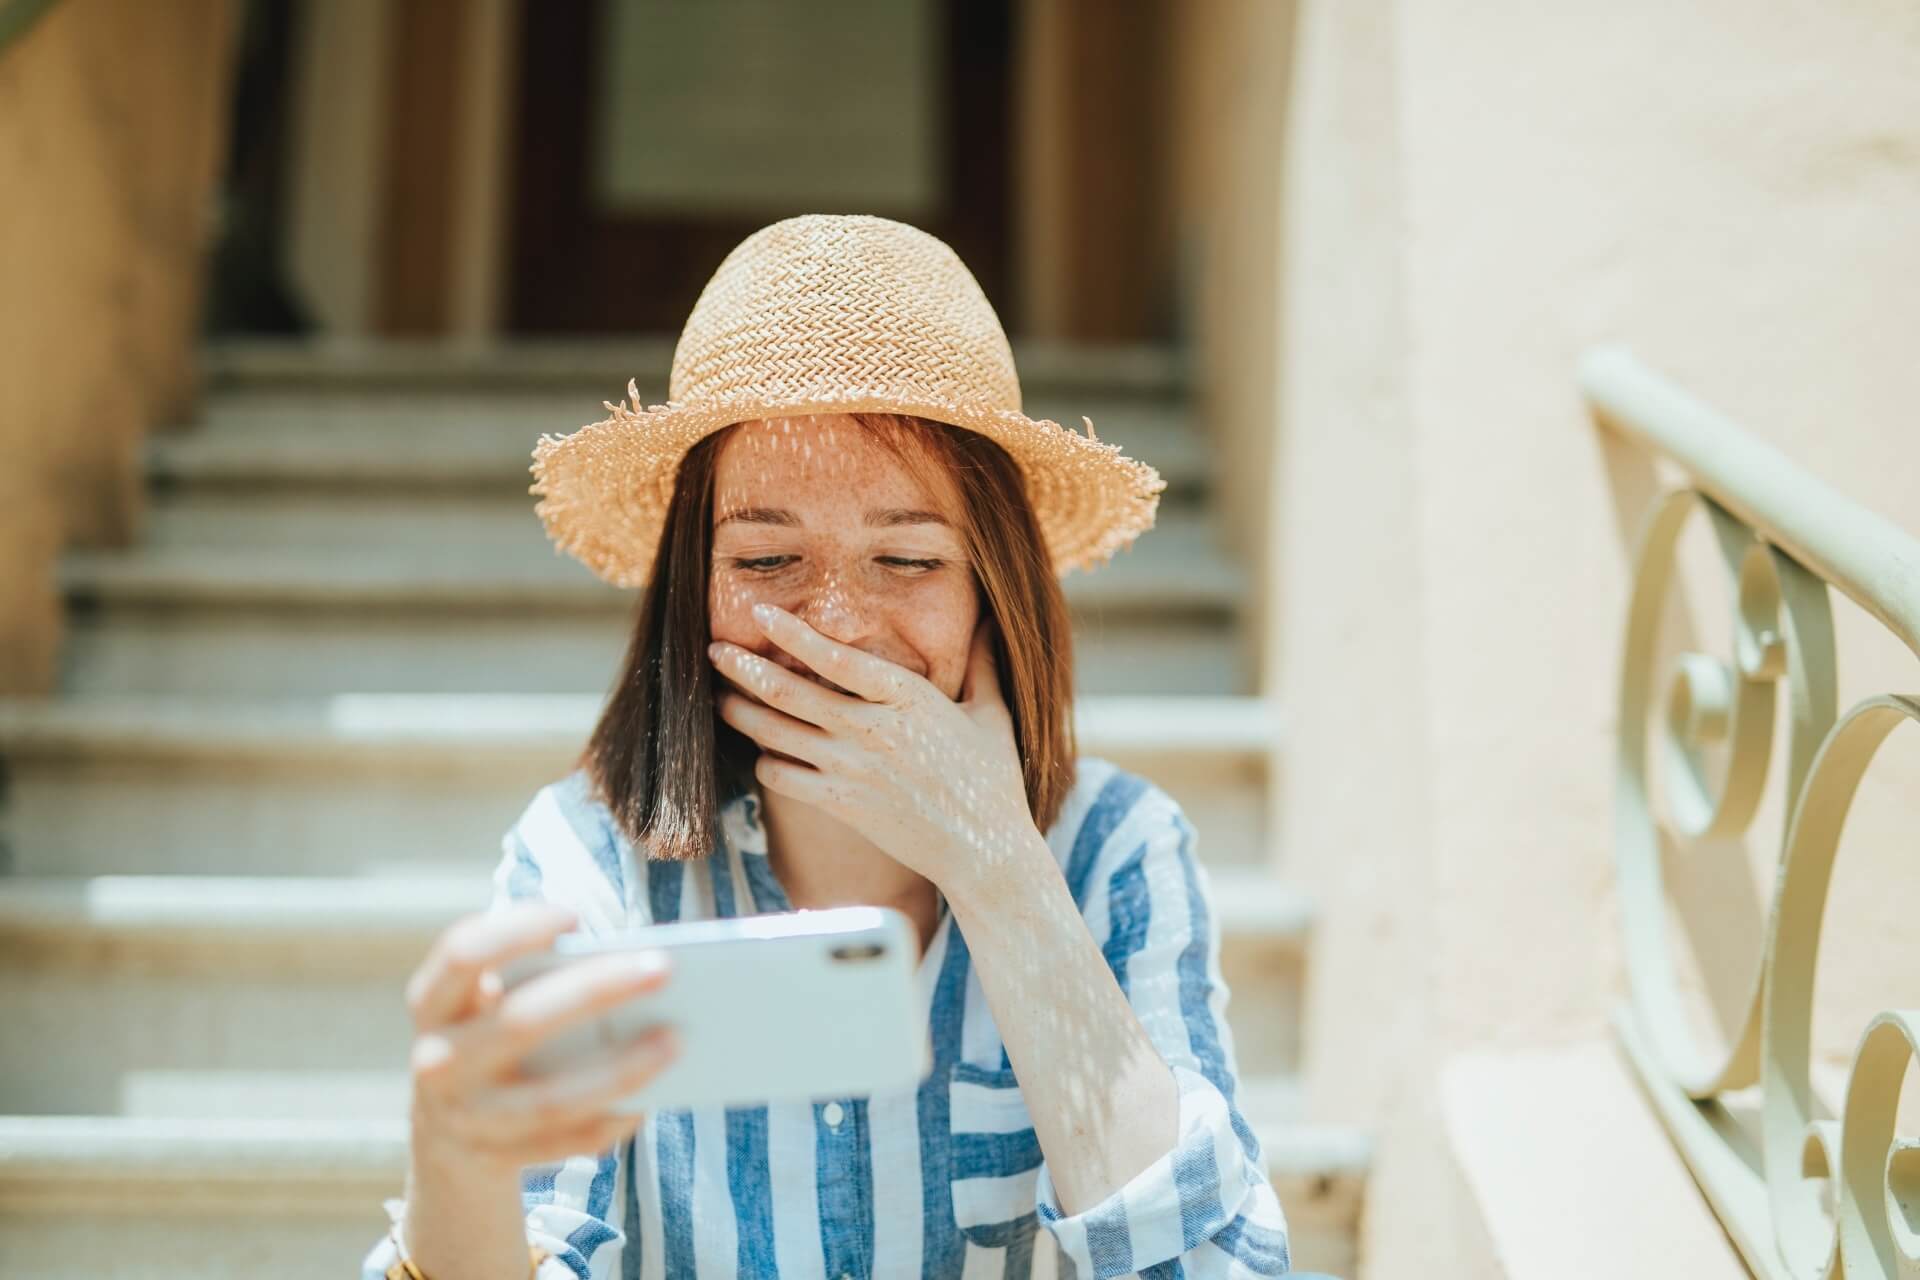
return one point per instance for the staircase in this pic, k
(295, 721)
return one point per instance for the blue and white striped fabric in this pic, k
(945, 1180)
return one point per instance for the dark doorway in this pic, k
(587, 262)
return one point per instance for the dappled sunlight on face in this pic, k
(816, 515)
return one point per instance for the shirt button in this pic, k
(833, 1114)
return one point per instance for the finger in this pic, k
(776, 730)
(488, 991)
(776, 686)
(546, 1005)
(575, 1096)
(442, 989)
(803, 782)
(872, 678)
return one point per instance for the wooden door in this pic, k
(631, 183)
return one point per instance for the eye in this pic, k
(770, 565)
(762, 564)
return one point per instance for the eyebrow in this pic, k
(879, 518)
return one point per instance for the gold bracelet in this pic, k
(404, 1269)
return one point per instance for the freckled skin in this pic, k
(851, 582)
(839, 575)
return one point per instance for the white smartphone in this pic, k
(782, 1007)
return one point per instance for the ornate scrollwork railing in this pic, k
(1784, 539)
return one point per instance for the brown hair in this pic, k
(661, 759)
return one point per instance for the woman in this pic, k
(849, 681)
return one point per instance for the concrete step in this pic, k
(451, 366)
(397, 784)
(1605, 1168)
(112, 987)
(392, 593)
(199, 1198)
(274, 653)
(258, 439)
(270, 652)
(392, 554)
(217, 545)
(298, 1199)
(242, 1094)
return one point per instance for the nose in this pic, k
(837, 609)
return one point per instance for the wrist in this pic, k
(463, 1216)
(436, 1161)
(1000, 886)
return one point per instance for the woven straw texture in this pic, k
(832, 313)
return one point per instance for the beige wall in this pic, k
(1231, 83)
(112, 118)
(1476, 192)
(1347, 635)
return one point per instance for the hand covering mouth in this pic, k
(800, 668)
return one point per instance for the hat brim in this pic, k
(604, 489)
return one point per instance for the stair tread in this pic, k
(1249, 902)
(118, 1148)
(459, 723)
(485, 441)
(1266, 1098)
(455, 364)
(505, 562)
(1542, 1173)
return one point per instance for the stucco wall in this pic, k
(1231, 67)
(1349, 626)
(1477, 192)
(112, 117)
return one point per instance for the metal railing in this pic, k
(1784, 538)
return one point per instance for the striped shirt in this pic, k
(943, 1180)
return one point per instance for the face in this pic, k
(819, 517)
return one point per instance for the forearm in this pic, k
(1103, 1101)
(462, 1219)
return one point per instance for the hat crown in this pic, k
(843, 306)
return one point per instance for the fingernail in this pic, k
(648, 964)
(716, 650)
(764, 613)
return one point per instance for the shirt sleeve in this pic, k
(1207, 1207)
(573, 1206)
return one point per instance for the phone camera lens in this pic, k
(858, 951)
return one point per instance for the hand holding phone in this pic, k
(788, 1006)
(471, 1103)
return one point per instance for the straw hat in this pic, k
(832, 313)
